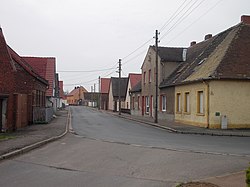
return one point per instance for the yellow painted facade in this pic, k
(230, 99)
(192, 117)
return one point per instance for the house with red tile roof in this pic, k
(46, 68)
(76, 96)
(105, 82)
(62, 96)
(133, 79)
(22, 90)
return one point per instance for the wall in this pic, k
(230, 98)
(137, 109)
(127, 100)
(192, 118)
(148, 88)
(169, 92)
(111, 99)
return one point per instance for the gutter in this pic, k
(208, 100)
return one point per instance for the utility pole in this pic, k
(99, 95)
(156, 76)
(119, 70)
(91, 96)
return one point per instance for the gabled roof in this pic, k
(7, 54)
(166, 54)
(137, 87)
(76, 90)
(224, 56)
(115, 86)
(4, 52)
(61, 92)
(171, 54)
(134, 78)
(105, 85)
(45, 67)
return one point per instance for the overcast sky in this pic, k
(91, 35)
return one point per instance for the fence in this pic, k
(42, 114)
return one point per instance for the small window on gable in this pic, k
(149, 76)
(144, 77)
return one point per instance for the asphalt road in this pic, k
(102, 126)
(109, 151)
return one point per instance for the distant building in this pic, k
(76, 96)
(114, 93)
(104, 97)
(133, 79)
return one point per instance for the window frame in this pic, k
(164, 103)
(147, 105)
(149, 76)
(144, 77)
(187, 103)
(200, 103)
(178, 102)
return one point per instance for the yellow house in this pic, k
(76, 96)
(212, 87)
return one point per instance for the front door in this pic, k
(3, 109)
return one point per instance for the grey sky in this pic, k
(92, 35)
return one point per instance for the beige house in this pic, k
(168, 60)
(212, 87)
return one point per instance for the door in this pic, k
(142, 105)
(3, 109)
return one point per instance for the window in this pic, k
(144, 77)
(147, 104)
(149, 76)
(187, 102)
(200, 102)
(164, 103)
(133, 103)
(178, 102)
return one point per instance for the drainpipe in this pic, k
(208, 97)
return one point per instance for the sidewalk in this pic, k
(185, 129)
(34, 136)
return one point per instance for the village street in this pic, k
(105, 150)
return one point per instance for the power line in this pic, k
(196, 20)
(138, 48)
(84, 71)
(172, 17)
(183, 17)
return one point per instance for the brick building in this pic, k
(21, 89)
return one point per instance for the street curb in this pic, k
(178, 131)
(37, 144)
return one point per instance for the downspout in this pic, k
(208, 99)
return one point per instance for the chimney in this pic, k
(208, 36)
(192, 43)
(245, 19)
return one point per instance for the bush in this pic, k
(248, 177)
